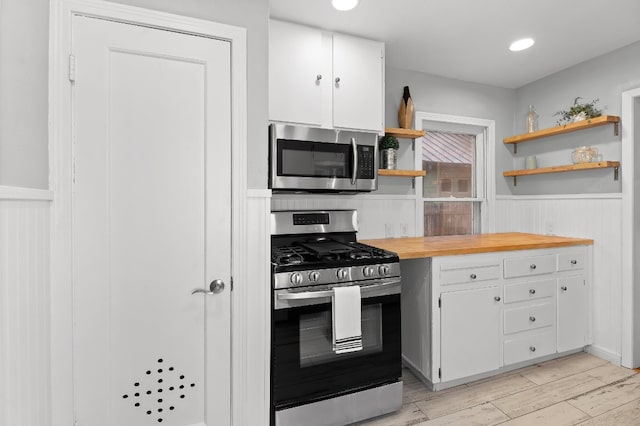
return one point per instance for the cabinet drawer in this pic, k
(527, 266)
(459, 275)
(571, 261)
(530, 346)
(529, 317)
(529, 290)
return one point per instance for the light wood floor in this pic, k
(579, 389)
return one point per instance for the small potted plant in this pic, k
(388, 146)
(578, 112)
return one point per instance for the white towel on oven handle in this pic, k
(347, 321)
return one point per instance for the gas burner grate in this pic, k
(290, 255)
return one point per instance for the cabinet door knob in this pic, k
(473, 276)
(337, 80)
(318, 77)
(574, 262)
(532, 348)
(532, 291)
(532, 319)
(532, 266)
(563, 288)
(497, 298)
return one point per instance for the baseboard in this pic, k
(612, 357)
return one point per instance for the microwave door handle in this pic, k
(354, 173)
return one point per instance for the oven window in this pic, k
(314, 159)
(316, 336)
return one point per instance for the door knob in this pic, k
(216, 286)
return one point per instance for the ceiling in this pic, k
(469, 39)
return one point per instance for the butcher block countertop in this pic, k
(419, 247)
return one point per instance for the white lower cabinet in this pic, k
(470, 342)
(470, 316)
(572, 312)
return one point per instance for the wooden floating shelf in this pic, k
(401, 173)
(566, 168)
(567, 128)
(404, 133)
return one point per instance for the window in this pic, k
(453, 153)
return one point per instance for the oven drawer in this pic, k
(529, 346)
(458, 274)
(529, 317)
(528, 266)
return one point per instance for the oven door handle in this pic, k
(304, 295)
(354, 173)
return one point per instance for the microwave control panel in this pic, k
(366, 161)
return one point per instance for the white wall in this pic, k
(604, 78)
(25, 394)
(596, 212)
(373, 211)
(24, 44)
(454, 97)
(24, 35)
(597, 217)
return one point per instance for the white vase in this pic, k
(579, 117)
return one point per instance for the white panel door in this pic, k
(358, 101)
(470, 332)
(572, 313)
(151, 223)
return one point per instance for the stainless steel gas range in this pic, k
(336, 348)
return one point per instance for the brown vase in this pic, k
(405, 112)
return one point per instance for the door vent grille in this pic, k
(159, 391)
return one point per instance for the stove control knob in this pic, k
(342, 274)
(383, 270)
(296, 278)
(368, 271)
(314, 276)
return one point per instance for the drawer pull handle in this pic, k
(497, 298)
(563, 288)
(532, 319)
(532, 266)
(532, 291)
(532, 348)
(473, 276)
(574, 262)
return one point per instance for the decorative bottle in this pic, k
(405, 112)
(532, 120)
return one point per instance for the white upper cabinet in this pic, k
(296, 73)
(327, 80)
(357, 83)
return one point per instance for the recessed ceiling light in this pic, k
(344, 4)
(523, 43)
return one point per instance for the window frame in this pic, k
(484, 178)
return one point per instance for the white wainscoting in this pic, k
(374, 211)
(25, 395)
(598, 217)
(257, 291)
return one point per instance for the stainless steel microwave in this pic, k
(322, 160)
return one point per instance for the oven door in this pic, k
(320, 160)
(304, 366)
